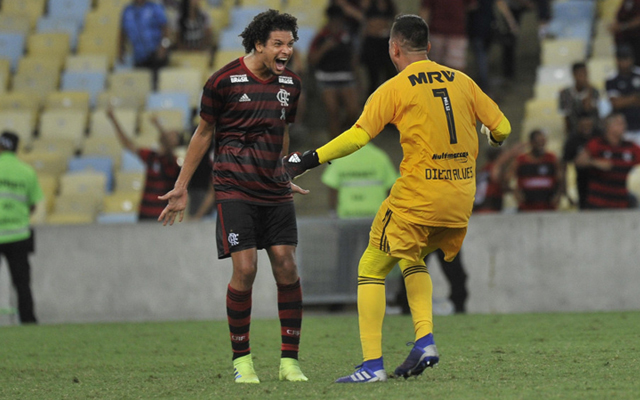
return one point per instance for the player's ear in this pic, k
(259, 47)
(428, 47)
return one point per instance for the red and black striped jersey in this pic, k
(488, 191)
(162, 172)
(538, 181)
(250, 117)
(608, 189)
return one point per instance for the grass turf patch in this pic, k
(527, 356)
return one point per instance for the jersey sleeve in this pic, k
(378, 111)
(487, 111)
(212, 101)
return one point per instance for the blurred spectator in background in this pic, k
(610, 158)
(509, 37)
(447, 30)
(626, 27)
(161, 167)
(479, 29)
(194, 32)
(538, 176)
(144, 25)
(19, 194)
(353, 17)
(332, 56)
(624, 92)
(374, 51)
(586, 129)
(491, 179)
(579, 99)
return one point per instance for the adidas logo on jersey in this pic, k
(244, 98)
(294, 158)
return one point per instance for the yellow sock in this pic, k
(419, 294)
(373, 268)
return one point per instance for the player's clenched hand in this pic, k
(492, 141)
(177, 203)
(296, 164)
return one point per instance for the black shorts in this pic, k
(242, 226)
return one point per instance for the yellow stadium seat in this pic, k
(136, 82)
(101, 126)
(64, 147)
(308, 4)
(273, 4)
(116, 6)
(129, 181)
(67, 100)
(600, 69)
(87, 62)
(49, 185)
(63, 124)
(20, 122)
(51, 44)
(82, 203)
(554, 126)
(88, 183)
(5, 73)
(563, 51)
(121, 202)
(32, 9)
(17, 100)
(99, 21)
(103, 146)
(38, 86)
(39, 64)
(98, 42)
(15, 23)
(541, 108)
(73, 218)
(190, 59)
(219, 18)
(188, 80)
(224, 57)
(308, 16)
(547, 91)
(46, 162)
(125, 101)
(170, 119)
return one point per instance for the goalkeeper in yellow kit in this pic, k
(436, 110)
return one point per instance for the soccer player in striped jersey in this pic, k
(246, 110)
(435, 109)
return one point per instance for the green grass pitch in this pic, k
(527, 356)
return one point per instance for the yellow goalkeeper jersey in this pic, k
(435, 108)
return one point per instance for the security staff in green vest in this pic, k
(19, 194)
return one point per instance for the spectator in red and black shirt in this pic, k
(538, 176)
(161, 168)
(491, 179)
(246, 109)
(610, 159)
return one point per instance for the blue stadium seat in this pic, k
(229, 39)
(131, 162)
(12, 47)
(170, 100)
(305, 37)
(69, 9)
(48, 24)
(241, 16)
(95, 163)
(84, 81)
(573, 10)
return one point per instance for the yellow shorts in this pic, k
(402, 239)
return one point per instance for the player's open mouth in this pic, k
(281, 63)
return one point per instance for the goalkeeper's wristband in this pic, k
(493, 141)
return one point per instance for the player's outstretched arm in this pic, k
(296, 164)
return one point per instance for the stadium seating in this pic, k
(91, 183)
(93, 163)
(136, 83)
(171, 101)
(17, 100)
(67, 100)
(40, 65)
(98, 42)
(5, 73)
(129, 181)
(73, 218)
(121, 202)
(60, 25)
(100, 126)
(559, 52)
(32, 9)
(103, 146)
(223, 57)
(633, 182)
(12, 47)
(15, 23)
(53, 45)
(176, 79)
(69, 9)
(46, 163)
(38, 86)
(92, 82)
(131, 162)
(87, 62)
(60, 146)
(601, 69)
(63, 124)
(21, 122)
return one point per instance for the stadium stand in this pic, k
(21, 122)
(12, 47)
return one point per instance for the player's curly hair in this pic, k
(263, 24)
